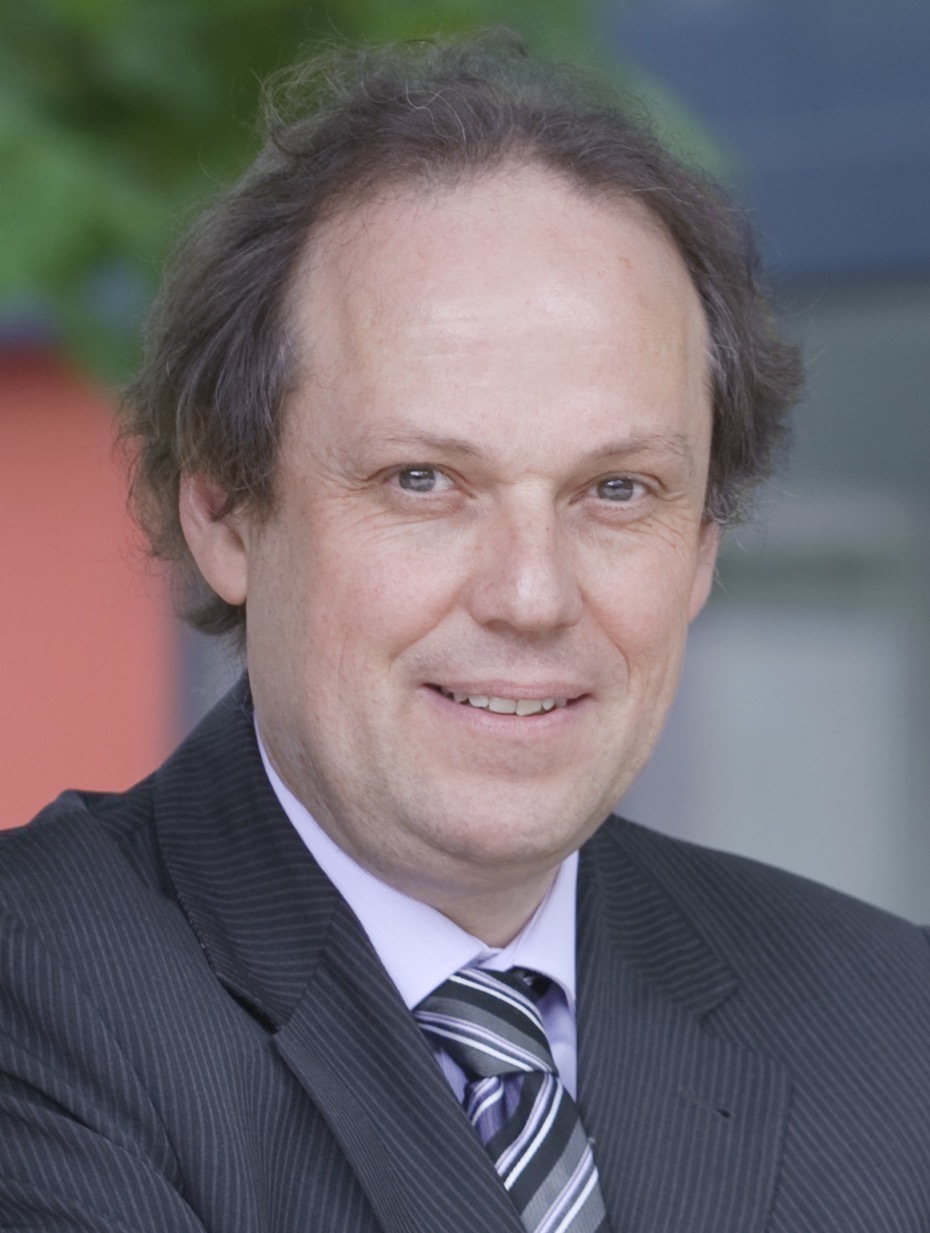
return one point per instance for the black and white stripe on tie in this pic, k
(489, 1025)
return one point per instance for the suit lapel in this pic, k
(687, 1127)
(284, 943)
(256, 900)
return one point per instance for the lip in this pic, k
(511, 689)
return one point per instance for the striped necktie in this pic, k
(489, 1025)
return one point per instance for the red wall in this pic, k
(87, 688)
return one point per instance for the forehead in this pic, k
(528, 219)
(516, 280)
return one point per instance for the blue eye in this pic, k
(616, 488)
(418, 479)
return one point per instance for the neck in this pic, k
(495, 917)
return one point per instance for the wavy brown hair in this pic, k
(219, 362)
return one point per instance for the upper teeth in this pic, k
(507, 706)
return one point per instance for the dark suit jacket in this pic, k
(196, 1034)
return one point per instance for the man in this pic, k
(447, 403)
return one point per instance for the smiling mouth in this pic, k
(505, 706)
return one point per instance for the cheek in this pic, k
(392, 592)
(644, 604)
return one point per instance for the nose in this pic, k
(524, 576)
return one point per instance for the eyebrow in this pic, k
(435, 441)
(676, 443)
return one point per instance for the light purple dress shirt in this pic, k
(420, 947)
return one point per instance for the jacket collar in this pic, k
(644, 923)
(258, 903)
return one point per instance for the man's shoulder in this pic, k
(90, 927)
(80, 845)
(770, 924)
(91, 863)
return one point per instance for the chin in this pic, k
(500, 842)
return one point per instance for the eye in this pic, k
(422, 479)
(618, 488)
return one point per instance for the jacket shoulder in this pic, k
(80, 849)
(772, 926)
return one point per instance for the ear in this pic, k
(217, 543)
(708, 547)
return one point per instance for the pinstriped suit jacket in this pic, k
(196, 1035)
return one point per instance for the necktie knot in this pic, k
(488, 1022)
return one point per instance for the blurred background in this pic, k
(800, 731)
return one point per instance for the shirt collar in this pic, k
(419, 946)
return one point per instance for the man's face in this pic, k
(467, 615)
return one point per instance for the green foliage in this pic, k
(117, 117)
